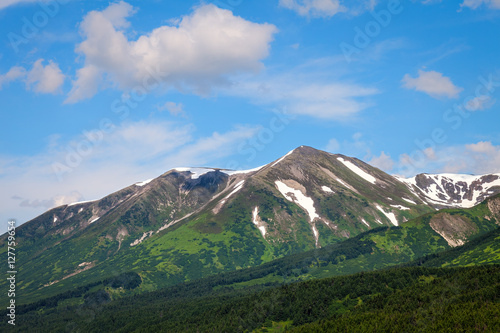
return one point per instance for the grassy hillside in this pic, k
(375, 249)
(482, 250)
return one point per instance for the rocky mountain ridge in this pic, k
(192, 222)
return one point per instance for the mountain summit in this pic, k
(190, 222)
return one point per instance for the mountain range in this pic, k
(190, 223)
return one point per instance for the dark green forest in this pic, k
(403, 299)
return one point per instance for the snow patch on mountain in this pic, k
(409, 201)
(327, 189)
(237, 187)
(357, 170)
(299, 198)
(303, 201)
(238, 172)
(281, 159)
(195, 172)
(55, 219)
(364, 221)
(80, 202)
(452, 190)
(316, 233)
(400, 207)
(143, 237)
(342, 182)
(144, 182)
(390, 216)
(94, 219)
(258, 223)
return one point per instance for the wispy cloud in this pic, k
(8, 3)
(476, 158)
(474, 4)
(314, 8)
(14, 74)
(306, 94)
(98, 164)
(328, 8)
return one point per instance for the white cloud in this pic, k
(333, 146)
(214, 147)
(356, 146)
(477, 158)
(8, 3)
(314, 8)
(484, 157)
(41, 79)
(175, 109)
(47, 80)
(383, 162)
(305, 94)
(130, 153)
(432, 83)
(199, 52)
(474, 4)
(478, 103)
(14, 74)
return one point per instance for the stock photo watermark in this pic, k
(11, 271)
(265, 136)
(76, 152)
(32, 26)
(454, 117)
(364, 37)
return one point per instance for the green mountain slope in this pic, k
(188, 223)
(192, 223)
(374, 249)
(481, 250)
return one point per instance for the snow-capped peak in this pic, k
(453, 190)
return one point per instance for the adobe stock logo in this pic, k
(40, 19)
(363, 38)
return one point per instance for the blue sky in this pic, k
(98, 95)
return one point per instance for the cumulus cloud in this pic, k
(474, 4)
(197, 53)
(432, 83)
(41, 79)
(314, 8)
(45, 79)
(383, 162)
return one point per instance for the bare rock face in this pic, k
(494, 207)
(455, 229)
